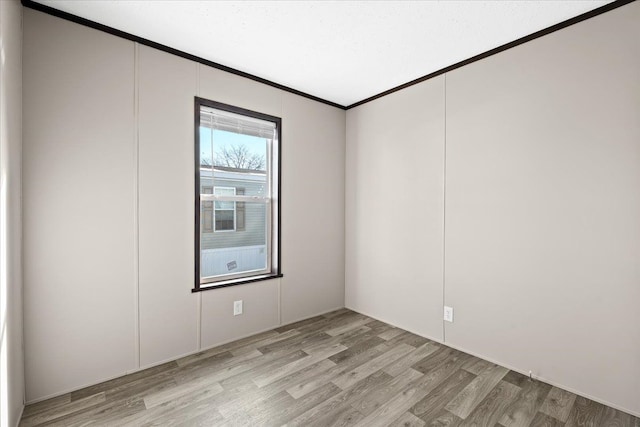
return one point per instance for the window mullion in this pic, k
(249, 199)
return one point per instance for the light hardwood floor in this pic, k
(342, 368)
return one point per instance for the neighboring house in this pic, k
(232, 233)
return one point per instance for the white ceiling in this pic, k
(341, 51)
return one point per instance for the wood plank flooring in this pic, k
(339, 369)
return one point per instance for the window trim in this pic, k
(275, 260)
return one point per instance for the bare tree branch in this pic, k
(239, 156)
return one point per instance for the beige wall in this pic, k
(101, 307)
(535, 151)
(542, 204)
(166, 85)
(395, 160)
(78, 198)
(11, 349)
(543, 207)
(313, 170)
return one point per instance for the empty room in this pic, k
(320, 213)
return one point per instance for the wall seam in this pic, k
(444, 207)
(280, 213)
(136, 208)
(22, 339)
(5, 410)
(199, 297)
(280, 301)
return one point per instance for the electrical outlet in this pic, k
(448, 314)
(237, 307)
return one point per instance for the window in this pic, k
(237, 181)
(206, 218)
(207, 212)
(225, 212)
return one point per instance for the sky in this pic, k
(222, 138)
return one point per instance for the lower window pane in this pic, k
(224, 219)
(239, 250)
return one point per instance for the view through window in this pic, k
(237, 194)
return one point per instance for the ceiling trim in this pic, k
(559, 26)
(31, 4)
(113, 31)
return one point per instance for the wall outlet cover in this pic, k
(448, 314)
(237, 307)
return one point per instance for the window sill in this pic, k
(234, 282)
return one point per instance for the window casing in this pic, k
(237, 197)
